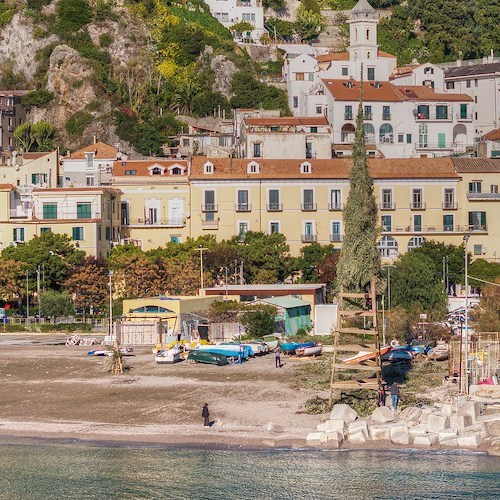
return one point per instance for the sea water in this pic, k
(66, 471)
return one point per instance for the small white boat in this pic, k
(271, 341)
(259, 348)
(168, 357)
(314, 350)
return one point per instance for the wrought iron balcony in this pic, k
(243, 207)
(335, 237)
(209, 207)
(274, 207)
(417, 205)
(309, 238)
(334, 206)
(309, 207)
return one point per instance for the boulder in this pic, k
(334, 436)
(357, 438)
(470, 440)
(477, 426)
(411, 414)
(395, 427)
(437, 422)
(332, 425)
(446, 409)
(358, 426)
(450, 442)
(418, 430)
(494, 449)
(379, 433)
(447, 434)
(382, 414)
(460, 422)
(493, 428)
(424, 418)
(400, 437)
(314, 438)
(343, 412)
(428, 440)
(470, 408)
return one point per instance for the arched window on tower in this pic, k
(367, 34)
(355, 34)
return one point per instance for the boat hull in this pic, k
(168, 357)
(207, 357)
(309, 351)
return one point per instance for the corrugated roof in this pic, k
(380, 168)
(476, 165)
(141, 166)
(493, 135)
(286, 301)
(477, 69)
(100, 149)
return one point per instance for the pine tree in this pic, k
(359, 259)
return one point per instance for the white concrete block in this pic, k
(447, 434)
(334, 436)
(418, 430)
(332, 425)
(437, 422)
(470, 440)
(450, 442)
(379, 433)
(314, 438)
(470, 408)
(358, 426)
(395, 427)
(400, 437)
(477, 426)
(446, 409)
(428, 440)
(357, 438)
(424, 418)
(382, 414)
(493, 428)
(460, 422)
(343, 412)
(411, 414)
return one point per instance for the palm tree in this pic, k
(184, 96)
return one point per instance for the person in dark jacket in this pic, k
(381, 395)
(394, 390)
(206, 415)
(277, 357)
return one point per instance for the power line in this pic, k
(483, 281)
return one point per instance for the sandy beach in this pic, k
(55, 391)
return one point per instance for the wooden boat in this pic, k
(169, 356)
(271, 341)
(207, 357)
(314, 350)
(233, 350)
(365, 356)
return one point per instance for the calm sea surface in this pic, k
(62, 471)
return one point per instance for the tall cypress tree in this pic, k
(359, 259)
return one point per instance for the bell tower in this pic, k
(363, 32)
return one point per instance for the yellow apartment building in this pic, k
(89, 216)
(31, 170)
(419, 199)
(155, 206)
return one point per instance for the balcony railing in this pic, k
(348, 116)
(309, 207)
(309, 238)
(250, 3)
(440, 117)
(464, 117)
(483, 196)
(209, 207)
(210, 224)
(176, 222)
(274, 207)
(334, 206)
(335, 237)
(368, 116)
(387, 205)
(243, 207)
(450, 205)
(438, 146)
(386, 116)
(446, 228)
(417, 205)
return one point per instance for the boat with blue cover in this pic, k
(291, 347)
(246, 347)
(228, 350)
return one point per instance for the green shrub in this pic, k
(13, 328)
(37, 4)
(66, 327)
(6, 14)
(37, 98)
(105, 40)
(77, 123)
(71, 16)
(103, 11)
(76, 84)
(93, 106)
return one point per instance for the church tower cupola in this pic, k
(363, 32)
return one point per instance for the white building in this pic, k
(482, 83)
(230, 12)
(407, 112)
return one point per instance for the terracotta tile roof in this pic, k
(476, 165)
(313, 120)
(99, 189)
(424, 93)
(141, 166)
(404, 70)
(7, 187)
(35, 156)
(342, 92)
(391, 168)
(493, 135)
(101, 150)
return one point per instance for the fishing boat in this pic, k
(259, 347)
(233, 350)
(246, 346)
(289, 347)
(207, 357)
(398, 354)
(314, 350)
(439, 353)
(366, 356)
(271, 341)
(168, 356)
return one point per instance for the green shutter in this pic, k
(50, 210)
(83, 210)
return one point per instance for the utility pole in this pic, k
(38, 292)
(227, 271)
(27, 301)
(110, 284)
(202, 249)
(466, 378)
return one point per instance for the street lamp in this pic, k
(466, 378)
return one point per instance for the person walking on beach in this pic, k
(381, 395)
(206, 416)
(277, 357)
(394, 390)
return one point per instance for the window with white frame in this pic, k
(274, 204)
(416, 242)
(208, 168)
(386, 222)
(305, 168)
(242, 230)
(253, 167)
(248, 17)
(308, 199)
(417, 199)
(90, 180)
(336, 234)
(386, 203)
(309, 232)
(77, 233)
(388, 247)
(18, 235)
(335, 199)
(274, 227)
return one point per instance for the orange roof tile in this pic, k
(493, 135)
(141, 166)
(101, 150)
(387, 168)
(340, 90)
(404, 70)
(476, 165)
(313, 120)
(424, 93)
(34, 156)
(7, 187)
